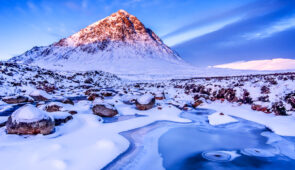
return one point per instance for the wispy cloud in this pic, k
(276, 27)
(31, 6)
(197, 32)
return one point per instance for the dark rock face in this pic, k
(290, 98)
(52, 108)
(93, 96)
(39, 98)
(279, 109)
(104, 111)
(67, 101)
(148, 106)
(73, 112)
(64, 120)
(130, 100)
(16, 99)
(160, 96)
(2, 124)
(260, 108)
(44, 126)
(88, 81)
(265, 90)
(197, 103)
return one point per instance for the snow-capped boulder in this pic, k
(103, 109)
(129, 99)
(145, 102)
(29, 120)
(40, 95)
(17, 99)
(159, 95)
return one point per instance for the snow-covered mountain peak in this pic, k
(120, 26)
(119, 44)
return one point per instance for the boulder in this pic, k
(52, 108)
(159, 96)
(67, 101)
(40, 95)
(73, 112)
(61, 117)
(29, 120)
(260, 108)
(279, 109)
(145, 102)
(197, 103)
(103, 109)
(129, 99)
(16, 99)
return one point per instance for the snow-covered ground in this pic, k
(83, 143)
(88, 141)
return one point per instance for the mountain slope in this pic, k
(119, 44)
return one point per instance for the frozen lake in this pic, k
(199, 145)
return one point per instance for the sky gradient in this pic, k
(203, 32)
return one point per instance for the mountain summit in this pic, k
(119, 43)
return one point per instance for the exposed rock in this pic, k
(265, 90)
(104, 110)
(88, 81)
(260, 108)
(145, 102)
(129, 99)
(290, 98)
(279, 109)
(52, 108)
(93, 96)
(16, 99)
(159, 96)
(29, 120)
(197, 103)
(40, 95)
(73, 112)
(61, 117)
(67, 101)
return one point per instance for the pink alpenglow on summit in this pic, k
(119, 43)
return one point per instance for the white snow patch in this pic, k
(281, 125)
(220, 118)
(29, 113)
(145, 99)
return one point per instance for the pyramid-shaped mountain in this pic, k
(119, 43)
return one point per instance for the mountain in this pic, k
(119, 44)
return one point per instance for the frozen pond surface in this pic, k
(198, 145)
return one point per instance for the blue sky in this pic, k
(203, 32)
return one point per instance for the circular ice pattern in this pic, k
(217, 156)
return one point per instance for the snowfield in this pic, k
(82, 140)
(83, 143)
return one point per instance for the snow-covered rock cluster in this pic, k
(16, 79)
(266, 93)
